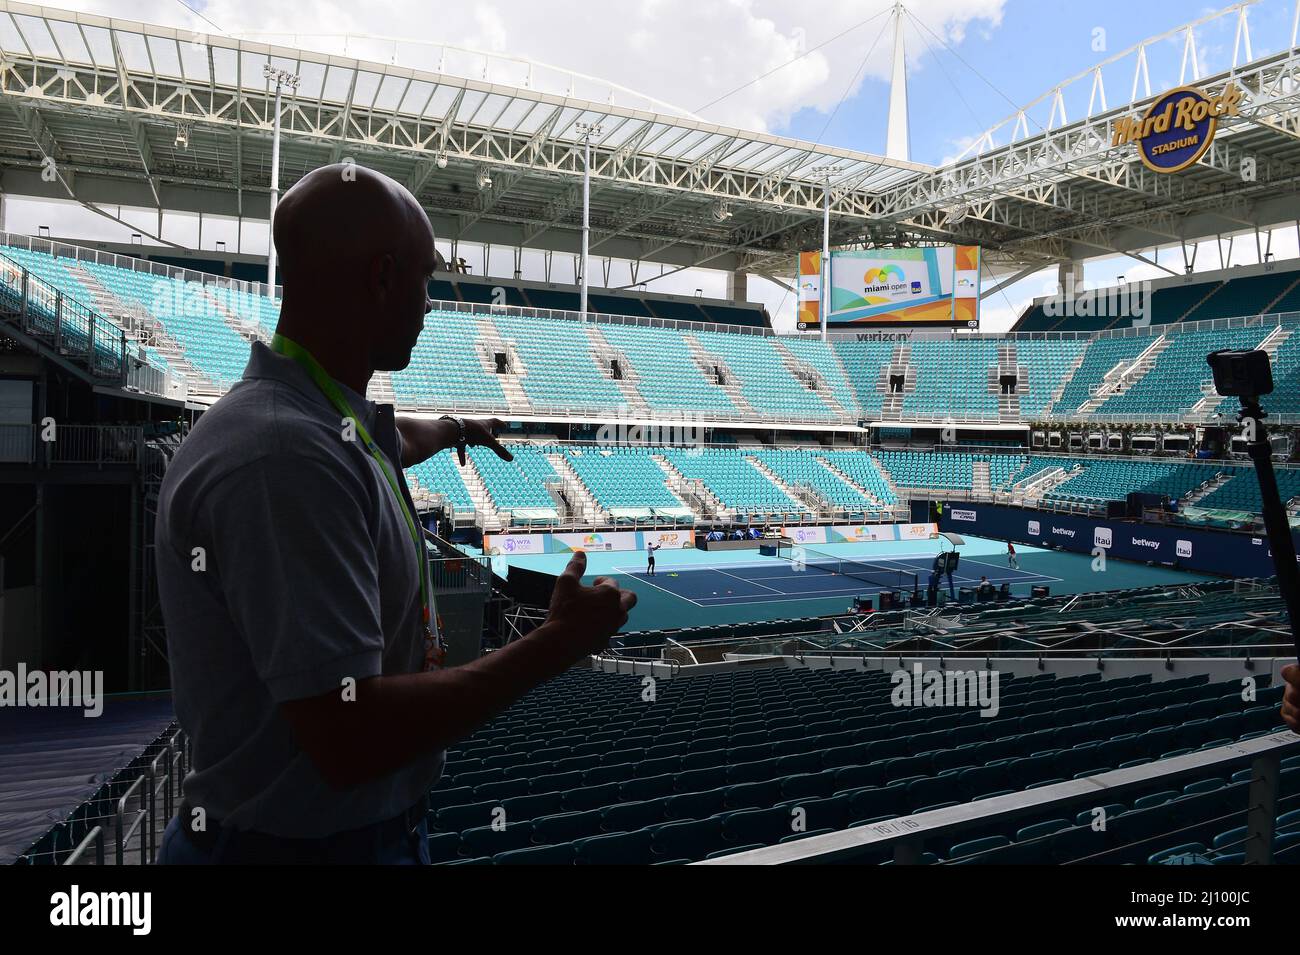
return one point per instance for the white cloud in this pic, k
(684, 52)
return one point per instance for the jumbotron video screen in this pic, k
(928, 286)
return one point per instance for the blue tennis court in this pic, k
(762, 580)
(696, 587)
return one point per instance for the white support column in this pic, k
(737, 285)
(1069, 278)
(282, 78)
(825, 306)
(824, 293)
(587, 130)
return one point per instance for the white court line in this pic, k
(1000, 567)
(745, 580)
(632, 574)
(819, 595)
(757, 598)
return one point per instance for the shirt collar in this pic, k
(266, 364)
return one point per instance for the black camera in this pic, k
(1241, 374)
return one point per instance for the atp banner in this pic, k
(669, 540)
(937, 285)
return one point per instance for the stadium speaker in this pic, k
(1116, 510)
(530, 587)
(1039, 590)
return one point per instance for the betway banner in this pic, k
(1205, 551)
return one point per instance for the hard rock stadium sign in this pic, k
(1178, 128)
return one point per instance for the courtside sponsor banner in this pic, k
(963, 514)
(917, 532)
(669, 540)
(592, 542)
(1208, 551)
(805, 535)
(516, 543)
(856, 533)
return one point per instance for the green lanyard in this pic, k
(329, 387)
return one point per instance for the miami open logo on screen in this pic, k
(887, 278)
(1178, 128)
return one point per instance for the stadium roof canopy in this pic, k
(106, 98)
(1038, 188)
(149, 116)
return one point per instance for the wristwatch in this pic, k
(460, 434)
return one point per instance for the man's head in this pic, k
(356, 255)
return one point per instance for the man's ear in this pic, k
(383, 274)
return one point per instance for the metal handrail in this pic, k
(906, 835)
(96, 838)
(120, 832)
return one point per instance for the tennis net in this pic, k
(884, 576)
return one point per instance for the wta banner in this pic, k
(514, 543)
(805, 535)
(936, 285)
(1213, 552)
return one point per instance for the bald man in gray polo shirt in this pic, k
(302, 630)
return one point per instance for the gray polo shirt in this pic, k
(306, 576)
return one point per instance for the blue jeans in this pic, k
(355, 848)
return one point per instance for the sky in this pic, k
(816, 70)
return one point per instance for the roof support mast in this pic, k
(897, 144)
(896, 147)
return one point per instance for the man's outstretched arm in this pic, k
(396, 719)
(422, 438)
